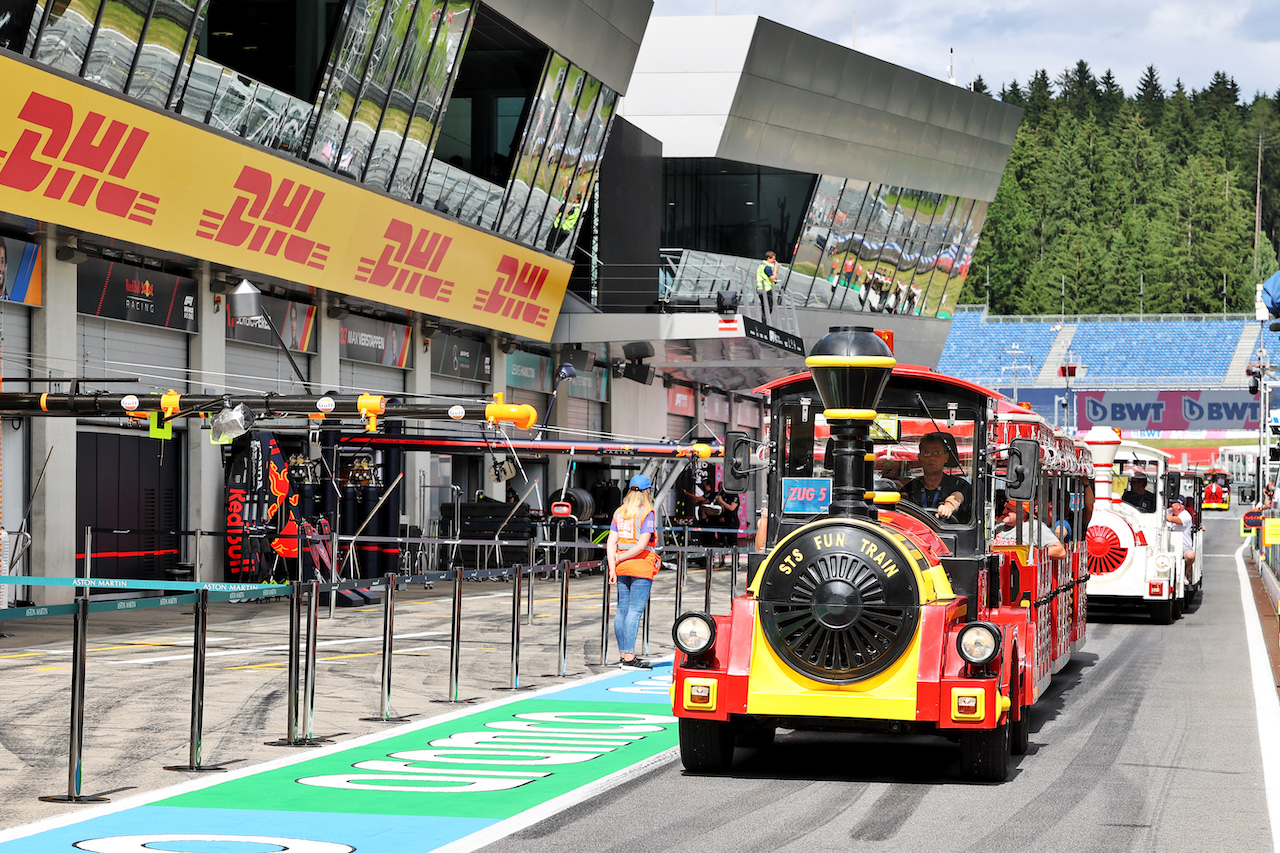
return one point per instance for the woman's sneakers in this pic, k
(634, 663)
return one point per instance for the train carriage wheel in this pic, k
(984, 754)
(1020, 729)
(706, 746)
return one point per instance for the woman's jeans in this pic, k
(633, 597)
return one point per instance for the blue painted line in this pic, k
(457, 781)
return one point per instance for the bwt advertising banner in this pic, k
(1151, 410)
(1167, 410)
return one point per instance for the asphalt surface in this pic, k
(1147, 741)
(138, 682)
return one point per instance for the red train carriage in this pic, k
(883, 604)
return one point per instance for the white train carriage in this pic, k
(1133, 558)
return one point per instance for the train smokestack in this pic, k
(1103, 442)
(850, 367)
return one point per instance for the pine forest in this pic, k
(1123, 204)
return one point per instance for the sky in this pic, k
(1005, 40)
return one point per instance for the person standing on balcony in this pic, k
(766, 278)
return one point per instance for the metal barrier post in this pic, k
(295, 643)
(195, 561)
(334, 573)
(533, 558)
(79, 654)
(644, 623)
(564, 619)
(199, 647)
(517, 575)
(309, 678)
(88, 552)
(455, 632)
(707, 608)
(604, 612)
(733, 577)
(388, 648)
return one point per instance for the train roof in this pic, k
(916, 371)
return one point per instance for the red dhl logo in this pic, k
(56, 153)
(407, 260)
(515, 292)
(269, 218)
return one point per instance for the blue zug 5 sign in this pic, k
(805, 495)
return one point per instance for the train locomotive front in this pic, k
(873, 614)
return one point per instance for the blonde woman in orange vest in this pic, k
(632, 565)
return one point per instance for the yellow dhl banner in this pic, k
(75, 156)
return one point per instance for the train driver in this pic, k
(1137, 495)
(949, 495)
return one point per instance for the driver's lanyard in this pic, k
(931, 500)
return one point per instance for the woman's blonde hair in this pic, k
(635, 503)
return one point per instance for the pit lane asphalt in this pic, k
(1149, 740)
(138, 686)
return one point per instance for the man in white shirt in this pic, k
(1180, 522)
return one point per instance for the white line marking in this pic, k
(306, 755)
(1264, 696)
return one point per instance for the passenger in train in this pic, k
(1136, 495)
(937, 489)
(1181, 522)
(1006, 530)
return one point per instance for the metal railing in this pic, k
(304, 598)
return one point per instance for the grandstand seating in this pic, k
(1111, 350)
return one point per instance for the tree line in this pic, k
(1114, 203)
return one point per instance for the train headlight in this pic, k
(694, 633)
(1164, 562)
(978, 643)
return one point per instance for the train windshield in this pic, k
(929, 462)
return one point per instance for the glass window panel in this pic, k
(817, 228)
(384, 54)
(232, 102)
(566, 197)
(344, 79)
(404, 91)
(938, 231)
(531, 148)
(933, 294)
(588, 164)
(116, 43)
(66, 36)
(201, 87)
(418, 129)
(19, 22)
(537, 219)
(454, 23)
(163, 45)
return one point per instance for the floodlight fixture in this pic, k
(231, 423)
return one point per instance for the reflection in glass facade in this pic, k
(557, 159)
(881, 248)
(380, 100)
